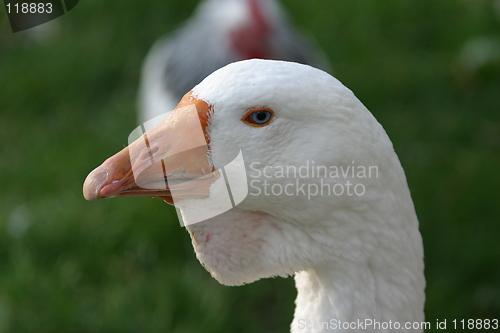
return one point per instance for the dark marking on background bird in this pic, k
(219, 32)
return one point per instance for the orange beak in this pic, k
(170, 160)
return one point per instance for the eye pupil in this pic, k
(261, 117)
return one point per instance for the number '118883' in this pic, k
(476, 324)
(29, 8)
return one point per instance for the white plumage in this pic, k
(354, 257)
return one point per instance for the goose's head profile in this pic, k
(325, 197)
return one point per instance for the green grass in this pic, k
(125, 265)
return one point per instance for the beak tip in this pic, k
(93, 184)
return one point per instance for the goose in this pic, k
(356, 253)
(220, 32)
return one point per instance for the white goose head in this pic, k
(356, 252)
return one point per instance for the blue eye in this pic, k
(258, 117)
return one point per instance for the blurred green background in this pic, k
(429, 70)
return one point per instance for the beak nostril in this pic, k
(154, 150)
(148, 155)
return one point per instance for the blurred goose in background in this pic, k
(220, 32)
(354, 257)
